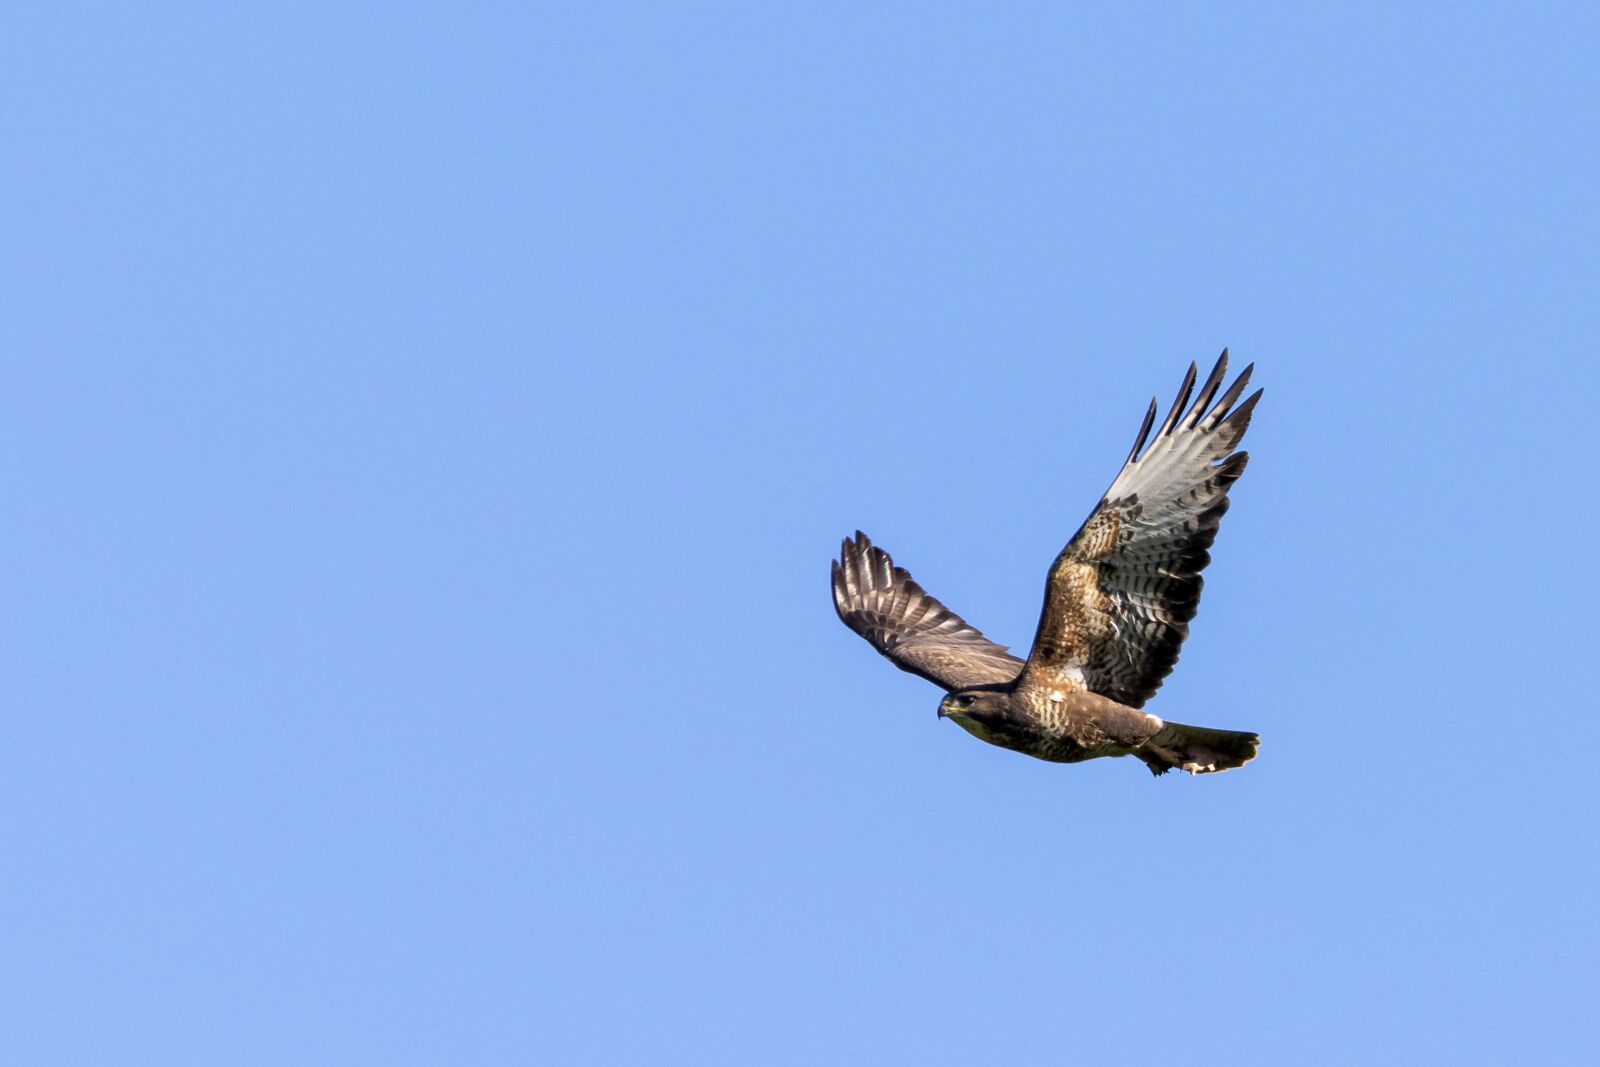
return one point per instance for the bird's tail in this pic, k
(1197, 749)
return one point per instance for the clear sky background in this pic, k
(424, 432)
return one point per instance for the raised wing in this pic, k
(882, 603)
(1120, 596)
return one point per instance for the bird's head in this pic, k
(981, 707)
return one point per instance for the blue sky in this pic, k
(424, 432)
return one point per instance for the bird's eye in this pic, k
(964, 701)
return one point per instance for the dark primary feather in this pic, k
(884, 604)
(1121, 594)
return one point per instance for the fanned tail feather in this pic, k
(1197, 749)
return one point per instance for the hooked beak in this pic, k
(947, 711)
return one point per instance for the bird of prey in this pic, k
(1117, 606)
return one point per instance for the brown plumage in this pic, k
(1117, 606)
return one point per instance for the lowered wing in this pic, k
(885, 605)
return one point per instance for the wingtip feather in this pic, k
(1238, 419)
(1202, 400)
(1179, 402)
(1224, 408)
(1144, 431)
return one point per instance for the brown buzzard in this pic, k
(1117, 606)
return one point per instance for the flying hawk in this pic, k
(1117, 606)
